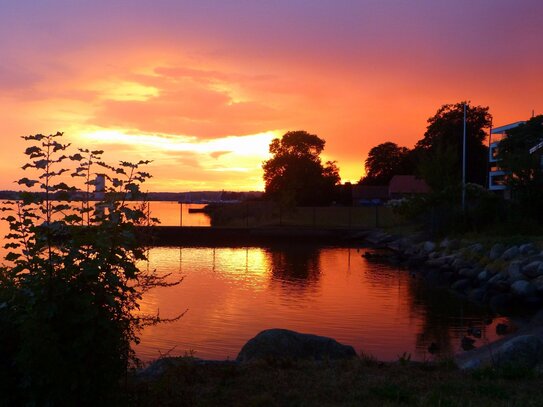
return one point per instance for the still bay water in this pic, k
(232, 293)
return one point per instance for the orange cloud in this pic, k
(190, 75)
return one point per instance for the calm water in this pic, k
(233, 293)
(170, 214)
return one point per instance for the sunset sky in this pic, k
(201, 87)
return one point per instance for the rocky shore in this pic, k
(509, 278)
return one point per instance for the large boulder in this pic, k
(483, 276)
(523, 288)
(497, 277)
(522, 352)
(449, 244)
(510, 253)
(527, 249)
(429, 246)
(476, 248)
(515, 271)
(496, 251)
(459, 263)
(533, 269)
(285, 344)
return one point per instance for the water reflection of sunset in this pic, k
(233, 293)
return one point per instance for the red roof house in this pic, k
(403, 185)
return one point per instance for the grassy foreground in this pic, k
(348, 383)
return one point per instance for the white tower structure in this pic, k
(99, 187)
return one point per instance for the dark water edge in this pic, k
(252, 237)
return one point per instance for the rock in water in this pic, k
(520, 352)
(282, 343)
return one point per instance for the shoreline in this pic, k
(485, 275)
(248, 236)
(506, 278)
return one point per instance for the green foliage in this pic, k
(392, 393)
(508, 372)
(295, 175)
(438, 167)
(348, 383)
(440, 150)
(404, 358)
(386, 160)
(70, 286)
(441, 213)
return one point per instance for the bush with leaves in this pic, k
(440, 212)
(70, 284)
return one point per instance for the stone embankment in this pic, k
(506, 277)
(509, 278)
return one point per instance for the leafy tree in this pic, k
(384, 161)
(444, 135)
(525, 172)
(70, 285)
(436, 168)
(295, 174)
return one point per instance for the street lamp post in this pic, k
(464, 164)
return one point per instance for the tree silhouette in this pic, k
(295, 174)
(384, 161)
(440, 150)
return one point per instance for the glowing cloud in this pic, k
(201, 87)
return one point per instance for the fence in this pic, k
(266, 214)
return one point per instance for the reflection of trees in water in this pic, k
(295, 269)
(441, 314)
(378, 274)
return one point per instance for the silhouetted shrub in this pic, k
(70, 284)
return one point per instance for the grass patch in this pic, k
(349, 383)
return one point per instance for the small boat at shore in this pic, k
(198, 210)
